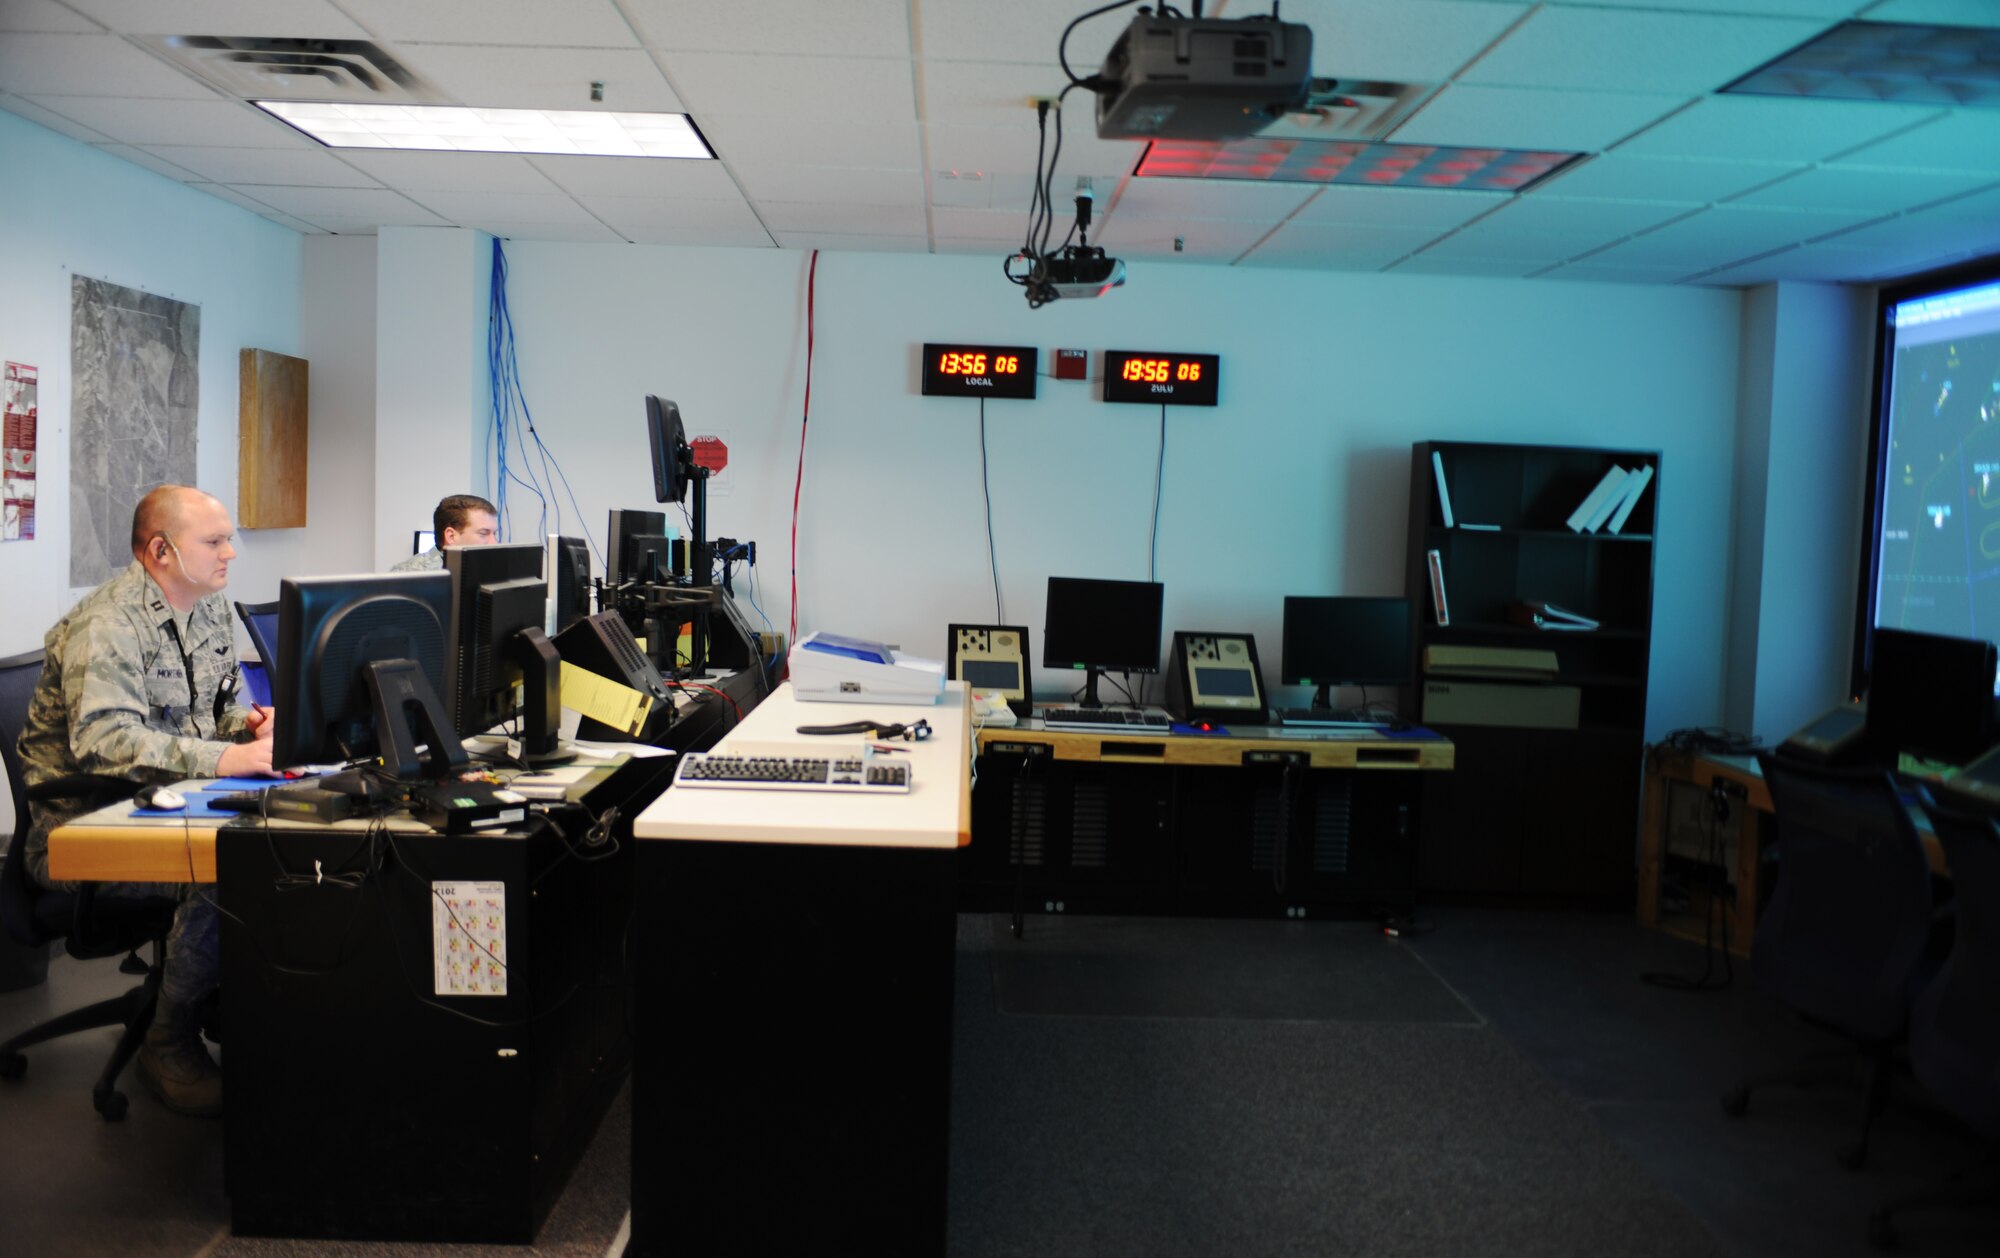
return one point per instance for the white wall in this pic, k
(337, 338)
(71, 210)
(1296, 484)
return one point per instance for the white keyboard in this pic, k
(1108, 720)
(846, 775)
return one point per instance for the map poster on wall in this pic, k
(134, 388)
(17, 453)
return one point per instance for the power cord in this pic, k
(1724, 896)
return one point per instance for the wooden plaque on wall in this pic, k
(271, 441)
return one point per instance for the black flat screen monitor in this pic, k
(329, 630)
(1345, 642)
(1102, 627)
(499, 602)
(1930, 695)
(671, 456)
(568, 566)
(621, 559)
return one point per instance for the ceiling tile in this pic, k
(850, 243)
(1596, 220)
(1943, 12)
(638, 218)
(1979, 207)
(533, 23)
(46, 16)
(1617, 50)
(1210, 198)
(1593, 271)
(545, 78)
(834, 185)
(987, 94)
(1968, 139)
(348, 226)
(1022, 31)
(89, 65)
(1009, 226)
(851, 28)
(1724, 234)
(297, 225)
(1541, 249)
(663, 177)
(585, 231)
(489, 211)
(1682, 180)
(325, 205)
(1863, 189)
(1356, 246)
(1011, 150)
(857, 90)
(978, 191)
(1397, 207)
(1494, 268)
(34, 113)
(1773, 128)
(1202, 240)
(1526, 118)
(197, 122)
(308, 167)
(303, 19)
(1829, 9)
(451, 172)
(234, 197)
(765, 141)
(795, 216)
(158, 165)
(1409, 41)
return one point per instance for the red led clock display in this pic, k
(979, 371)
(1156, 378)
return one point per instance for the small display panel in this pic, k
(979, 371)
(990, 674)
(1227, 682)
(1157, 378)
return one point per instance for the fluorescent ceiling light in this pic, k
(448, 128)
(1893, 61)
(1353, 162)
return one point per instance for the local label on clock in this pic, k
(1160, 378)
(979, 371)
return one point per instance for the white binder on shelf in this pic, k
(830, 668)
(1636, 489)
(1594, 509)
(1444, 495)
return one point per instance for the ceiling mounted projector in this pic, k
(1181, 78)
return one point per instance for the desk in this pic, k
(360, 1104)
(1254, 822)
(1744, 782)
(792, 1065)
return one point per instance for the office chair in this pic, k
(89, 926)
(1955, 1024)
(1841, 941)
(260, 621)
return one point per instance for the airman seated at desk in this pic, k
(460, 520)
(139, 681)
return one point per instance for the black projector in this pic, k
(1170, 78)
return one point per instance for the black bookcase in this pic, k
(1535, 812)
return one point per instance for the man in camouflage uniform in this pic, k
(139, 682)
(460, 520)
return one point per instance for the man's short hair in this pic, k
(456, 511)
(161, 512)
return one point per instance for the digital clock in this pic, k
(1171, 379)
(979, 371)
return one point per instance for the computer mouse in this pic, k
(163, 798)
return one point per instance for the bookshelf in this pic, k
(1536, 812)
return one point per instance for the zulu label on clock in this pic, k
(979, 371)
(1173, 379)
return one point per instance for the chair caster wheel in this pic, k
(12, 1065)
(111, 1104)
(1736, 1103)
(1881, 1231)
(1853, 1156)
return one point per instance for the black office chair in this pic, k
(1955, 1024)
(260, 621)
(1843, 937)
(89, 926)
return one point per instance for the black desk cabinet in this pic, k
(360, 1105)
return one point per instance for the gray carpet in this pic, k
(1192, 1135)
(1145, 967)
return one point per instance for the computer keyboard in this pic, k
(1322, 718)
(1119, 720)
(846, 775)
(239, 801)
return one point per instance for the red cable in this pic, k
(812, 276)
(696, 685)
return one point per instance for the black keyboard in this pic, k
(848, 775)
(238, 801)
(1126, 720)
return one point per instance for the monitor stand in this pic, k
(541, 685)
(1090, 699)
(407, 714)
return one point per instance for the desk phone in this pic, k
(992, 659)
(1215, 677)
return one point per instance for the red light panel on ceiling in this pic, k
(1340, 161)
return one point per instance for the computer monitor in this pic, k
(1931, 695)
(361, 666)
(1102, 627)
(1345, 642)
(422, 540)
(499, 602)
(621, 558)
(568, 565)
(673, 460)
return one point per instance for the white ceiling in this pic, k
(906, 125)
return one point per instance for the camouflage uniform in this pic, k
(115, 698)
(430, 561)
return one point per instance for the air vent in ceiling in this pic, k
(348, 70)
